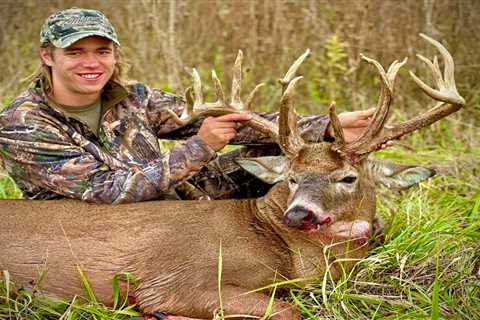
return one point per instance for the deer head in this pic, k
(331, 186)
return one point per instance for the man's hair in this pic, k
(44, 72)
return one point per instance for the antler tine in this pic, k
(393, 70)
(337, 128)
(197, 87)
(187, 111)
(386, 97)
(447, 90)
(383, 104)
(437, 74)
(237, 81)
(219, 93)
(293, 70)
(449, 72)
(290, 140)
(251, 96)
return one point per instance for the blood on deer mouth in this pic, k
(309, 222)
(306, 219)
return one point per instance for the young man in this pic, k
(80, 132)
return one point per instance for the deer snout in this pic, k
(306, 219)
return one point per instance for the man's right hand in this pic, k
(217, 132)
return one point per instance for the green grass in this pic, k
(17, 303)
(428, 267)
(8, 188)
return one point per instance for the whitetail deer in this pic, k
(323, 197)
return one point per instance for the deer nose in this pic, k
(296, 216)
(301, 217)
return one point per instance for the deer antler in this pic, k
(447, 95)
(286, 134)
(290, 140)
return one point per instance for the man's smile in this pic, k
(90, 76)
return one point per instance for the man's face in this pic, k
(81, 70)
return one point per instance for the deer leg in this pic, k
(237, 302)
(172, 317)
(162, 316)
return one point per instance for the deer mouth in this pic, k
(309, 222)
(305, 220)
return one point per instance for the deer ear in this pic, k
(268, 169)
(397, 176)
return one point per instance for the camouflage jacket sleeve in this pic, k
(42, 152)
(312, 127)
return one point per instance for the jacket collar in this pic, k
(112, 93)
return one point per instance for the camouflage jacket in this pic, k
(50, 155)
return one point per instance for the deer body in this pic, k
(171, 247)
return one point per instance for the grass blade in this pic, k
(435, 315)
(219, 280)
(86, 285)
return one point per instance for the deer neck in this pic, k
(305, 251)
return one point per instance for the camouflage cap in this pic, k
(65, 27)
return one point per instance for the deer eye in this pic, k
(292, 181)
(349, 179)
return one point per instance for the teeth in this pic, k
(90, 75)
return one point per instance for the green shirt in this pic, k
(89, 114)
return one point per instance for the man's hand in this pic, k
(216, 132)
(354, 125)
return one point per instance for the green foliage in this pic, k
(476, 105)
(6, 100)
(329, 70)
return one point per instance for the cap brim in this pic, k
(72, 38)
